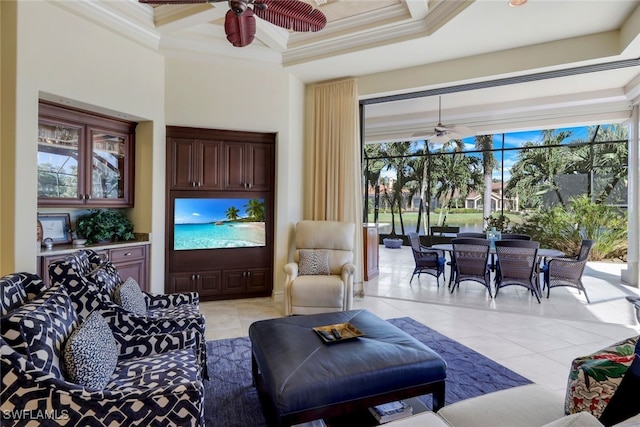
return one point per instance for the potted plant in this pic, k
(104, 225)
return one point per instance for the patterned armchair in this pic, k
(154, 380)
(18, 288)
(93, 283)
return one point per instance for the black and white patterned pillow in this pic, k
(130, 297)
(105, 278)
(91, 353)
(313, 262)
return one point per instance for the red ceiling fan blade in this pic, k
(178, 1)
(291, 14)
(240, 29)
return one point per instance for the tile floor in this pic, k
(538, 341)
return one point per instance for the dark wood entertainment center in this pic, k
(220, 164)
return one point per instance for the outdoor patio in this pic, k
(601, 279)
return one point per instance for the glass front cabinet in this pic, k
(84, 159)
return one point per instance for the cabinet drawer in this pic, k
(127, 254)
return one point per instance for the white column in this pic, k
(632, 273)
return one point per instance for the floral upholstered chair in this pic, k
(594, 379)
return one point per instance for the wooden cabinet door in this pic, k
(194, 164)
(132, 261)
(257, 279)
(182, 167)
(233, 281)
(84, 159)
(248, 166)
(181, 282)
(110, 165)
(209, 283)
(234, 177)
(258, 167)
(209, 165)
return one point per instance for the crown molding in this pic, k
(127, 18)
(391, 25)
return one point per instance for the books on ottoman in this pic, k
(391, 411)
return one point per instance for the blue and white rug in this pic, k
(232, 401)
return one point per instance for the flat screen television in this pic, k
(215, 223)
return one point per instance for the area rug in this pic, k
(232, 401)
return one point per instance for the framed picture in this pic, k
(57, 227)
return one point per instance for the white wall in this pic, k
(241, 97)
(63, 56)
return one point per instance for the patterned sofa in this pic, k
(92, 283)
(60, 370)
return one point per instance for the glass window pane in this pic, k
(107, 166)
(57, 162)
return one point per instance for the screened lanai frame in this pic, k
(583, 178)
(473, 86)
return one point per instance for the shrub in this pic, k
(565, 228)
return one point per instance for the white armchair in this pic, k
(320, 279)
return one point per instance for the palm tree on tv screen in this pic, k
(232, 213)
(255, 209)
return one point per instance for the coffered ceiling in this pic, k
(442, 46)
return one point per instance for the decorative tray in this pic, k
(339, 332)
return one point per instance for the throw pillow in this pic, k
(130, 297)
(91, 353)
(625, 402)
(313, 262)
(593, 379)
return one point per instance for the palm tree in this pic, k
(232, 213)
(255, 209)
(485, 143)
(396, 154)
(538, 167)
(373, 168)
(454, 175)
(604, 164)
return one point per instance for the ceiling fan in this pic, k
(444, 133)
(240, 23)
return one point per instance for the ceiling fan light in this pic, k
(516, 3)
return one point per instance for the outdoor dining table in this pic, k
(543, 253)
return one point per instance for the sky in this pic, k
(205, 210)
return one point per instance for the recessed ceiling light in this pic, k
(516, 3)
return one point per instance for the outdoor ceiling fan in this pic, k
(444, 133)
(240, 24)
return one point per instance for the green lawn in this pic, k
(466, 221)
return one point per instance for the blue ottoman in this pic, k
(300, 378)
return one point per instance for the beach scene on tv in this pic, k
(210, 223)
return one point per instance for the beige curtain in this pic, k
(334, 166)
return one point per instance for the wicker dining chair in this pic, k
(429, 261)
(568, 271)
(471, 262)
(517, 265)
